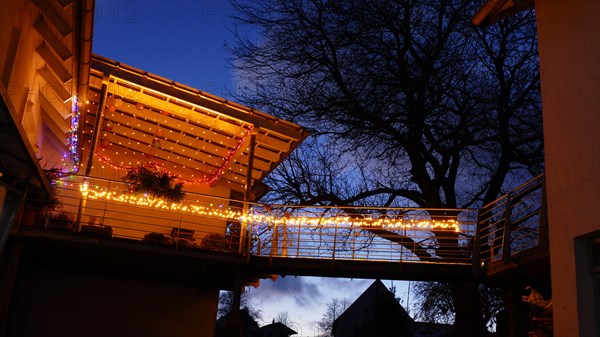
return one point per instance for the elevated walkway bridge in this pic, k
(102, 228)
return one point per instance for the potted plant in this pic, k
(61, 220)
(152, 181)
(156, 238)
(38, 209)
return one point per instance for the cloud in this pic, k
(308, 292)
(301, 290)
(344, 283)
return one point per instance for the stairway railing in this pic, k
(512, 224)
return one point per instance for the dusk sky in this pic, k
(184, 42)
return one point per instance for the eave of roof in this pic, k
(18, 160)
(209, 137)
(493, 11)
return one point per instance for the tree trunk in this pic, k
(469, 312)
(517, 316)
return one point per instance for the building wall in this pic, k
(17, 63)
(569, 32)
(136, 221)
(60, 303)
(32, 96)
(55, 302)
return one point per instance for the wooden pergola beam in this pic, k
(219, 106)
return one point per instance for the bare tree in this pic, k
(335, 308)
(226, 302)
(284, 318)
(408, 103)
(435, 303)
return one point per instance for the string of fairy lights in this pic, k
(137, 124)
(140, 129)
(73, 144)
(258, 214)
(202, 145)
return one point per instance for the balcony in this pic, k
(99, 216)
(226, 236)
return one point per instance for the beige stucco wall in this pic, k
(569, 35)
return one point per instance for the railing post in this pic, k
(334, 241)
(298, 240)
(353, 242)
(476, 262)
(105, 205)
(81, 209)
(506, 242)
(242, 230)
(178, 231)
(249, 240)
(274, 241)
(402, 245)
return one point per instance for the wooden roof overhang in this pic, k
(61, 32)
(200, 137)
(493, 11)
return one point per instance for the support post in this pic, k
(514, 320)
(476, 262)
(95, 137)
(243, 230)
(234, 325)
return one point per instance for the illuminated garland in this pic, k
(158, 203)
(207, 180)
(254, 217)
(157, 165)
(345, 221)
(74, 140)
(230, 156)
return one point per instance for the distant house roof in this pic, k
(249, 326)
(375, 312)
(276, 329)
(427, 329)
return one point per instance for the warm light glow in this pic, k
(255, 217)
(73, 138)
(148, 201)
(205, 180)
(346, 221)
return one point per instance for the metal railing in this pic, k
(102, 208)
(513, 223)
(410, 239)
(87, 210)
